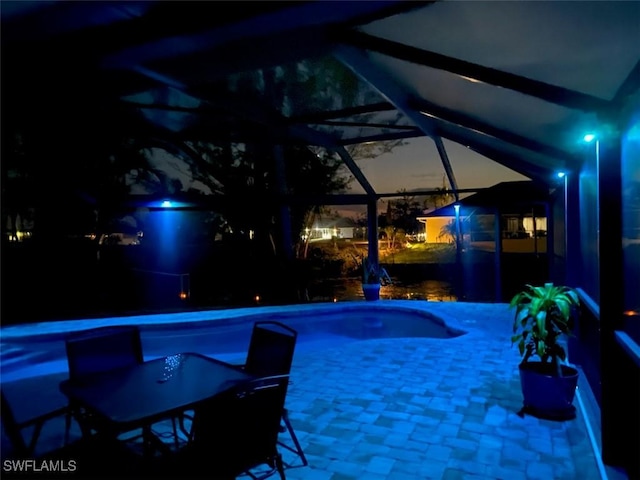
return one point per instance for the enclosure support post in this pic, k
(498, 255)
(572, 230)
(285, 214)
(617, 389)
(372, 230)
(446, 164)
(459, 266)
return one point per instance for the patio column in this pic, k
(615, 410)
(498, 254)
(551, 211)
(284, 212)
(460, 274)
(572, 229)
(372, 230)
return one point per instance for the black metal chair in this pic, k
(235, 434)
(102, 349)
(270, 352)
(33, 422)
(88, 458)
(99, 350)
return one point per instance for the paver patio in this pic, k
(426, 408)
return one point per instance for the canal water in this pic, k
(343, 289)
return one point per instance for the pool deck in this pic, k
(424, 408)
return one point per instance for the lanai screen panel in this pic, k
(540, 71)
(554, 42)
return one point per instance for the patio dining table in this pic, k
(135, 397)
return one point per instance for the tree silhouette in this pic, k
(78, 175)
(439, 199)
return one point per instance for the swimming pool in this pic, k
(29, 350)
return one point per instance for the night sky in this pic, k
(417, 166)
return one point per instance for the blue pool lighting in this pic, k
(166, 204)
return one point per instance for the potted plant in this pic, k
(373, 277)
(543, 317)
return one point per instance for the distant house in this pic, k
(326, 229)
(522, 210)
(120, 238)
(437, 229)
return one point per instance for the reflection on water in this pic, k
(342, 289)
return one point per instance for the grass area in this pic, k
(420, 253)
(346, 252)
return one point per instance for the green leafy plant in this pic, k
(543, 314)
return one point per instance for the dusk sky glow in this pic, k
(417, 166)
(413, 166)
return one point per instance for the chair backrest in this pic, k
(271, 349)
(239, 431)
(101, 349)
(11, 429)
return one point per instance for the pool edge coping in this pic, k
(59, 328)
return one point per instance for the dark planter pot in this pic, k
(547, 395)
(371, 291)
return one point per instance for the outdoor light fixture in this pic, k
(589, 137)
(456, 207)
(167, 204)
(560, 174)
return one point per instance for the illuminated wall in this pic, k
(589, 234)
(631, 228)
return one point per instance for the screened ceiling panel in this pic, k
(498, 107)
(522, 160)
(551, 41)
(516, 81)
(385, 124)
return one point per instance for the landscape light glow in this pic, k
(589, 137)
(560, 174)
(166, 204)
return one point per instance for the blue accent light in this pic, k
(456, 207)
(168, 204)
(560, 174)
(589, 137)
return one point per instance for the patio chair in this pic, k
(102, 349)
(36, 415)
(270, 352)
(235, 434)
(87, 458)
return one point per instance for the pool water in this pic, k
(226, 336)
(317, 329)
(369, 324)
